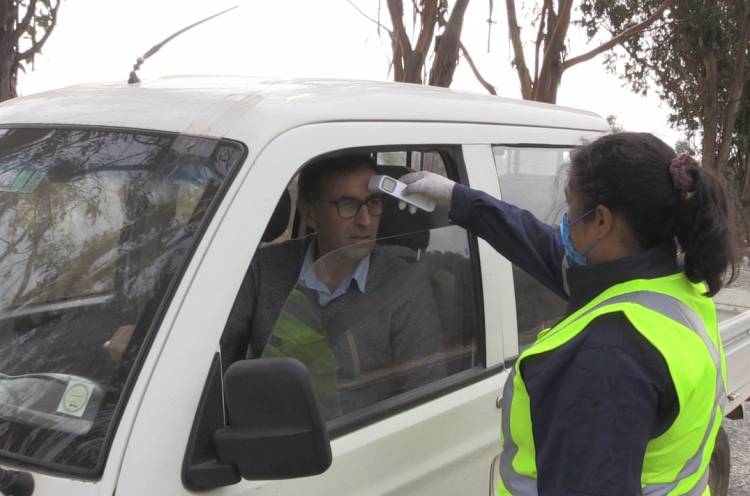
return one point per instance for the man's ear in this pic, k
(309, 217)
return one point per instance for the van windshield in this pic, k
(95, 226)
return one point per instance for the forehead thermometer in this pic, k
(395, 188)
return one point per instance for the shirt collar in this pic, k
(309, 277)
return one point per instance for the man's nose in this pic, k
(363, 216)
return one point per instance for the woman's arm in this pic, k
(516, 234)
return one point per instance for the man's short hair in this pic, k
(314, 174)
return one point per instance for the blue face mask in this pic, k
(578, 258)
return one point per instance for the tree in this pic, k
(438, 38)
(25, 26)
(683, 146)
(550, 53)
(614, 124)
(698, 58)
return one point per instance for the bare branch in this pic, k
(429, 18)
(36, 46)
(540, 36)
(491, 89)
(624, 35)
(376, 21)
(514, 31)
(25, 22)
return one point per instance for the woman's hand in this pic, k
(434, 186)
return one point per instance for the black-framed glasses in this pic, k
(348, 206)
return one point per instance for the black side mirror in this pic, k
(275, 429)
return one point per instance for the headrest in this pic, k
(279, 219)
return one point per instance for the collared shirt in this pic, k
(309, 277)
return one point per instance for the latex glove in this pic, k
(434, 186)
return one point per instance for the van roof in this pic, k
(214, 105)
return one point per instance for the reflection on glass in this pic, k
(534, 179)
(413, 324)
(93, 226)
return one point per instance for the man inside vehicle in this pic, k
(371, 308)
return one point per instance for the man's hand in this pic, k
(118, 343)
(434, 186)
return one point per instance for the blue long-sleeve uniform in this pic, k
(597, 400)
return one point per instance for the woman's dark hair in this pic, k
(315, 173)
(630, 174)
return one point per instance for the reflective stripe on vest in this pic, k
(522, 485)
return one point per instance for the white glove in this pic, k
(434, 186)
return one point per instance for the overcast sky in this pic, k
(99, 40)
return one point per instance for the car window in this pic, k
(411, 326)
(95, 225)
(405, 320)
(534, 179)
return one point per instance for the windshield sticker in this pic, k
(75, 399)
(21, 180)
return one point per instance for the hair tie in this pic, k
(681, 170)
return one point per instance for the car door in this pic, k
(436, 439)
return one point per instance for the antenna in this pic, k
(133, 78)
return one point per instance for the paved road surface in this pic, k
(739, 440)
(739, 433)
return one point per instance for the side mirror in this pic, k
(275, 429)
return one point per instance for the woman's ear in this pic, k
(604, 221)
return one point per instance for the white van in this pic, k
(142, 206)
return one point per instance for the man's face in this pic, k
(333, 231)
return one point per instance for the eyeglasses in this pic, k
(348, 206)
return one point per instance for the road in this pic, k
(739, 431)
(739, 440)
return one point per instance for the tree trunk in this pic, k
(8, 50)
(446, 49)
(710, 119)
(735, 91)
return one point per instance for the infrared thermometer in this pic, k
(395, 188)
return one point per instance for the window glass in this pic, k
(534, 179)
(412, 325)
(392, 158)
(93, 226)
(404, 318)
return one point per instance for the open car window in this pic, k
(405, 320)
(95, 225)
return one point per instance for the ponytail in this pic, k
(705, 230)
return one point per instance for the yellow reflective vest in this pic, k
(680, 322)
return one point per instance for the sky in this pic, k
(100, 40)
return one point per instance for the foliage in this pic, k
(25, 27)
(697, 58)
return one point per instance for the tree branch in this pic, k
(429, 18)
(558, 35)
(540, 36)
(36, 46)
(446, 51)
(491, 89)
(379, 24)
(615, 40)
(518, 57)
(25, 22)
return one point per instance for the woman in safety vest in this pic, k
(625, 394)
